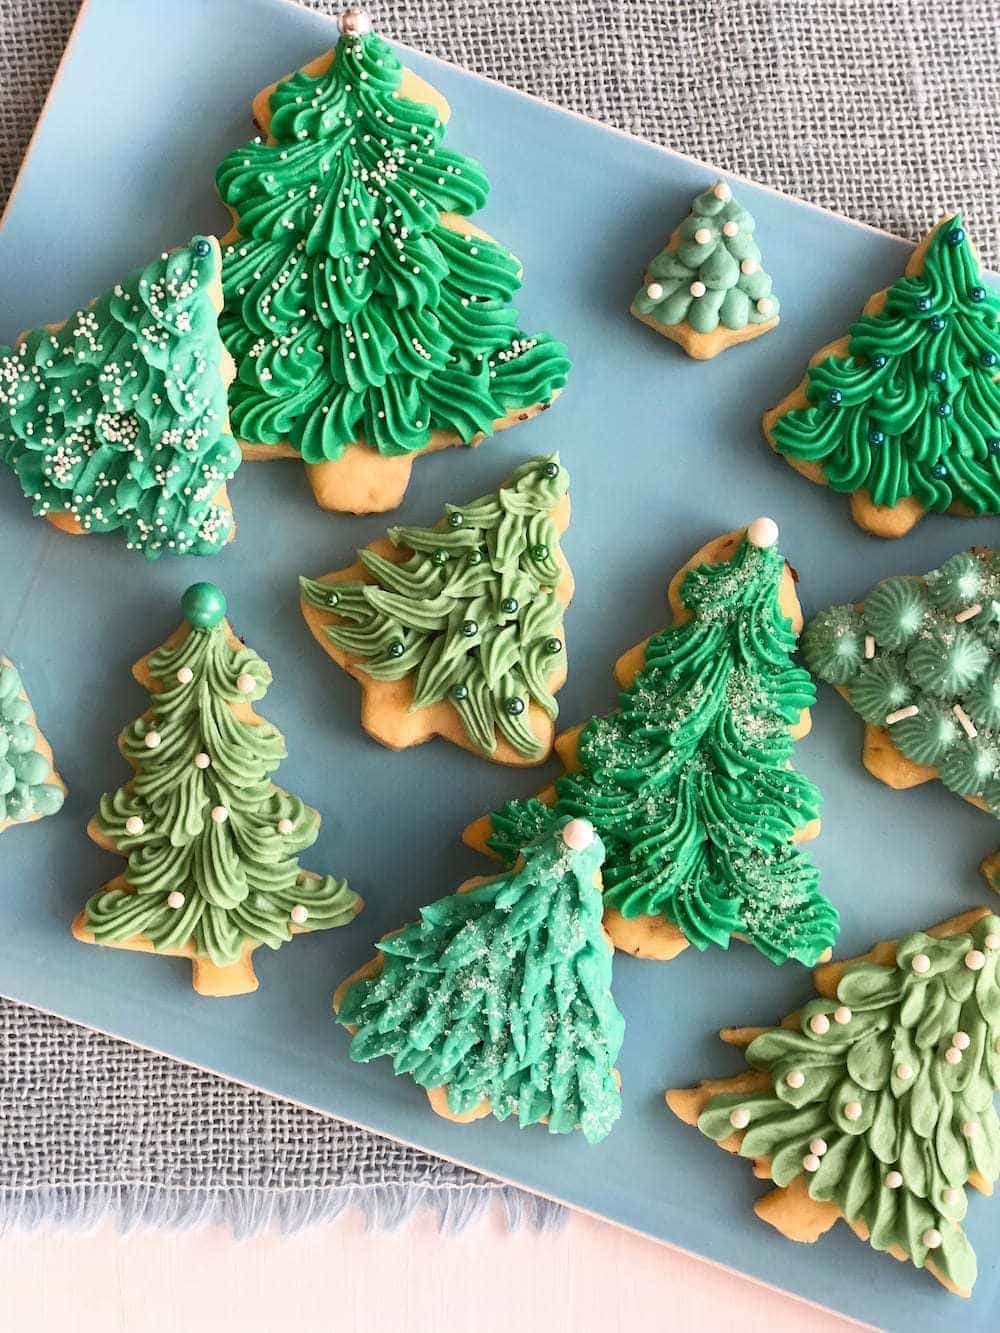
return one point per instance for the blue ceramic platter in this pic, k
(664, 453)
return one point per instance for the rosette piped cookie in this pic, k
(919, 659)
(30, 787)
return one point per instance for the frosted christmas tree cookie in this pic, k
(30, 787)
(212, 844)
(689, 782)
(498, 1000)
(919, 659)
(457, 630)
(116, 419)
(903, 414)
(874, 1103)
(369, 320)
(706, 290)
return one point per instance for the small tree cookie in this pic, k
(874, 1102)
(212, 843)
(498, 1001)
(116, 419)
(706, 289)
(689, 782)
(919, 659)
(903, 415)
(457, 630)
(30, 787)
(370, 322)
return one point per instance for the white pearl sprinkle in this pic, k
(185, 675)
(931, 1238)
(970, 1129)
(245, 683)
(721, 191)
(731, 228)
(202, 760)
(175, 899)
(952, 1196)
(703, 236)
(300, 914)
(920, 963)
(795, 1078)
(654, 291)
(975, 961)
(698, 288)
(151, 740)
(285, 826)
(818, 1146)
(962, 1040)
(765, 305)
(219, 814)
(904, 1072)
(853, 1110)
(992, 941)
(893, 1180)
(134, 825)
(953, 1055)
(810, 1162)
(578, 834)
(749, 266)
(762, 532)
(739, 1117)
(820, 1024)
(842, 1015)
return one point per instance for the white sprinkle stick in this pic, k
(869, 647)
(901, 714)
(969, 612)
(965, 722)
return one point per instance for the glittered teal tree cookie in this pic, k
(498, 1000)
(457, 630)
(212, 844)
(116, 419)
(688, 782)
(706, 290)
(919, 659)
(874, 1103)
(903, 414)
(30, 787)
(370, 322)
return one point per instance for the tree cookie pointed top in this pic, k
(707, 290)
(903, 414)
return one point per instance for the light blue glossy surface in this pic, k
(664, 453)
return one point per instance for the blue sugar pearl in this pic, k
(876, 437)
(943, 409)
(993, 446)
(459, 691)
(956, 236)
(939, 470)
(938, 323)
(923, 303)
(977, 293)
(988, 359)
(939, 376)
(879, 361)
(834, 397)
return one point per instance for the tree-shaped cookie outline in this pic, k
(362, 479)
(179, 845)
(836, 376)
(40, 747)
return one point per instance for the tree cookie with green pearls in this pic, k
(919, 659)
(370, 321)
(211, 843)
(875, 1102)
(903, 414)
(456, 630)
(706, 290)
(30, 787)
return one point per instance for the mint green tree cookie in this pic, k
(30, 787)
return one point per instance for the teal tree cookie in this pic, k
(368, 320)
(904, 413)
(457, 630)
(688, 782)
(30, 788)
(875, 1102)
(498, 1000)
(212, 844)
(919, 659)
(706, 290)
(116, 420)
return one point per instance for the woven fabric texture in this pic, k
(884, 112)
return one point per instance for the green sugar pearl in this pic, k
(396, 649)
(515, 707)
(203, 605)
(439, 557)
(550, 471)
(539, 552)
(553, 645)
(509, 606)
(459, 691)
(470, 628)
(455, 520)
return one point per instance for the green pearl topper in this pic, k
(212, 844)
(919, 659)
(905, 412)
(357, 305)
(877, 1100)
(501, 994)
(467, 615)
(116, 420)
(29, 786)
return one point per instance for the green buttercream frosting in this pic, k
(503, 993)
(351, 311)
(902, 1124)
(200, 819)
(471, 616)
(25, 792)
(118, 418)
(688, 781)
(914, 408)
(716, 249)
(935, 647)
